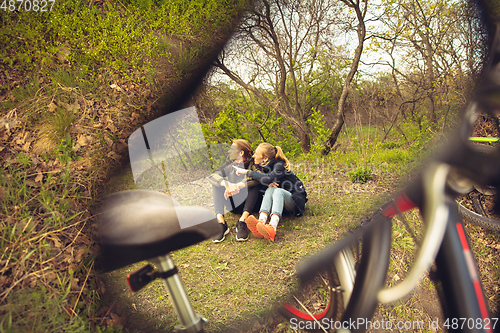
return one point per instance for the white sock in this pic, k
(275, 219)
(263, 217)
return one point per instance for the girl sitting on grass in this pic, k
(235, 192)
(285, 192)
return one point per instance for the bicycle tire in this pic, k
(368, 273)
(477, 219)
(325, 297)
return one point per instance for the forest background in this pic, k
(358, 89)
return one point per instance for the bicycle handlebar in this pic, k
(437, 212)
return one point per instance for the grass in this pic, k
(232, 283)
(236, 286)
(63, 130)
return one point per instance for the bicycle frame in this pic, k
(190, 322)
(457, 270)
(461, 293)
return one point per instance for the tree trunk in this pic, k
(337, 126)
(340, 119)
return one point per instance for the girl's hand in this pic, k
(273, 184)
(233, 189)
(240, 171)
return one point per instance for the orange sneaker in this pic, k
(251, 222)
(267, 231)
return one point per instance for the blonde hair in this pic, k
(244, 146)
(274, 153)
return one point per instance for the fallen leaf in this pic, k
(31, 183)
(74, 107)
(63, 54)
(116, 87)
(76, 147)
(112, 128)
(36, 162)
(80, 251)
(26, 146)
(85, 239)
(116, 320)
(52, 277)
(108, 141)
(52, 107)
(39, 177)
(113, 155)
(84, 140)
(56, 240)
(8, 123)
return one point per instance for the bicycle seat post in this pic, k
(189, 321)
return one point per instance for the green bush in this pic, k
(232, 124)
(361, 175)
(390, 145)
(319, 131)
(393, 156)
(118, 39)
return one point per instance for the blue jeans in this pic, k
(275, 199)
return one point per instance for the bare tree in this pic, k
(280, 42)
(437, 43)
(360, 8)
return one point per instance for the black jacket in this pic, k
(227, 172)
(275, 172)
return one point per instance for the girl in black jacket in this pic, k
(235, 192)
(285, 191)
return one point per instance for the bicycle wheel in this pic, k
(480, 216)
(479, 220)
(347, 283)
(323, 298)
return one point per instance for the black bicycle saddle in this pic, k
(139, 225)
